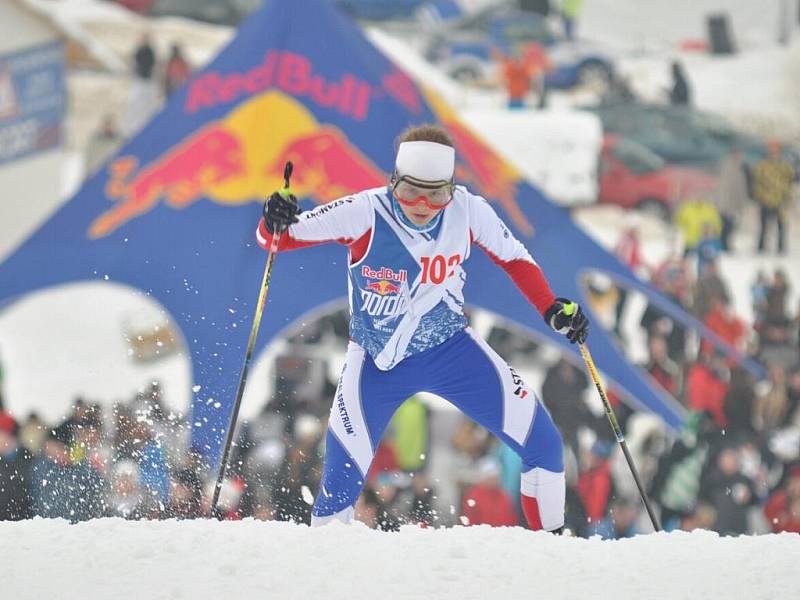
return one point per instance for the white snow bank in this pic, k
(71, 340)
(666, 23)
(557, 150)
(112, 558)
(757, 90)
(111, 32)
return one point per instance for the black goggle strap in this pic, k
(428, 185)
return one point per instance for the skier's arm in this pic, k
(489, 232)
(343, 221)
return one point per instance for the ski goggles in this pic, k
(410, 193)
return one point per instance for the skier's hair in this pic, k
(426, 133)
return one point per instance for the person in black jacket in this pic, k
(144, 58)
(562, 393)
(680, 94)
(739, 403)
(15, 466)
(730, 492)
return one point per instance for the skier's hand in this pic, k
(280, 211)
(567, 318)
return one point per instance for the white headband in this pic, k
(426, 161)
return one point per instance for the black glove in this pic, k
(280, 212)
(567, 318)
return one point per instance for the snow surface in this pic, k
(555, 149)
(111, 32)
(70, 340)
(667, 23)
(113, 558)
(757, 90)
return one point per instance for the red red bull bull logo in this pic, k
(228, 162)
(384, 273)
(381, 297)
(382, 287)
(289, 72)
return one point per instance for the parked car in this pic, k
(233, 12)
(218, 12)
(464, 48)
(137, 6)
(379, 10)
(722, 131)
(684, 135)
(665, 131)
(631, 176)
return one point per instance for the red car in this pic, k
(632, 176)
(137, 6)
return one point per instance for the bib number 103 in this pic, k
(435, 269)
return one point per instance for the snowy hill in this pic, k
(112, 558)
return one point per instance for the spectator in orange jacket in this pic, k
(534, 56)
(487, 503)
(516, 79)
(521, 74)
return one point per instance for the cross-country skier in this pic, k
(407, 245)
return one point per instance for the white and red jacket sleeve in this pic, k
(489, 232)
(347, 221)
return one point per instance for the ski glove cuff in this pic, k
(567, 318)
(280, 211)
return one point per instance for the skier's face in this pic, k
(421, 204)
(419, 214)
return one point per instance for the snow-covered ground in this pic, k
(659, 25)
(124, 560)
(757, 90)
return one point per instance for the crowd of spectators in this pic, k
(733, 468)
(129, 462)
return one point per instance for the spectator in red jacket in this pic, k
(707, 385)
(629, 252)
(783, 507)
(595, 485)
(666, 373)
(385, 461)
(722, 321)
(487, 503)
(176, 72)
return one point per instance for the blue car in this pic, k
(379, 10)
(464, 49)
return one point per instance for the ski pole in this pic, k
(612, 418)
(262, 298)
